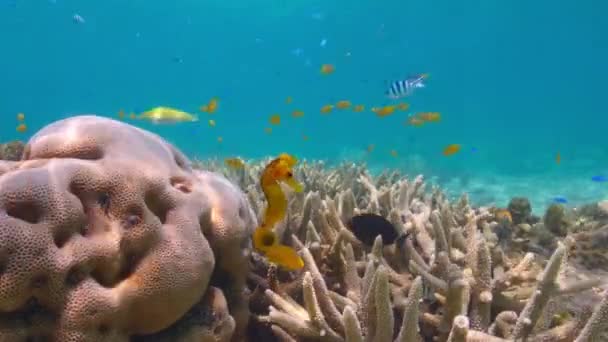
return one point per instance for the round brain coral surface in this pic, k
(100, 233)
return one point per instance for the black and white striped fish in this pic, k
(403, 88)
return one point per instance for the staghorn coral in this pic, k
(447, 278)
(107, 234)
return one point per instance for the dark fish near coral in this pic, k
(367, 227)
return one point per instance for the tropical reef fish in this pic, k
(20, 117)
(451, 149)
(234, 163)
(560, 199)
(297, 114)
(279, 170)
(21, 128)
(211, 122)
(366, 227)
(268, 130)
(288, 100)
(344, 104)
(384, 111)
(403, 88)
(212, 106)
(327, 69)
(327, 109)
(359, 108)
(558, 158)
(599, 179)
(503, 215)
(275, 119)
(167, 115)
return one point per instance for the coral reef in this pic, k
(449, 277)
(108, 234)
(12, 150)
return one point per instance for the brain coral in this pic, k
(107, 233)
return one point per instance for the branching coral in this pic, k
(446, 278)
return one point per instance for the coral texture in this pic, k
(106, 234)
(449, 277)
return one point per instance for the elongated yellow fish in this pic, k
(167, 115)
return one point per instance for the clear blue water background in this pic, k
(518, 80)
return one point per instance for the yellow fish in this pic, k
(344, 104)
(275, 119)
(234, 163)
(359, 108)
(327, 109)
(167, 115)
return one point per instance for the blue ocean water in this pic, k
(518, 81)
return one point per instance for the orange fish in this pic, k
(430, 116)
(121, 114)
(297, 114)
(132, 116)
(305, 137)
(384, 111)
(327, 69)
(20, 117)
(359, 108)
(288, 100)
(275, 119)
(344, 104)
(451, 149)
(503, 215)
(370, 148)
(21, 128)
(415, 121)
(211, 107)
(394, 153)
(558, 158)
(268, 130)
(403, 106)
(327, 109)
(212, 123)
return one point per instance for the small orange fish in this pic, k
(394, 153)
(288, 100)
(305, 137)
(430, 116)
(403, 107)
(344, 104)
(297, 114)
(384, 111)
(503, 215)
(275, 119)
(327, 109)
(451, 149)
(212, 123)
(21, 128)
(20, 117)
(359, 108)
(558, 158)
(121, 114)
(211, 107)
(414, 121)
(220, 139)
(132, 116)
(268, 130)
(370, 148)
(234, 163)
(327, 69)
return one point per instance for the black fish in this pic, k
(367, 226)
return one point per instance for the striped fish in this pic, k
(403, 88)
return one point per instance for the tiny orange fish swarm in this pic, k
(420, 119)
(275, 119)
(279, 170)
